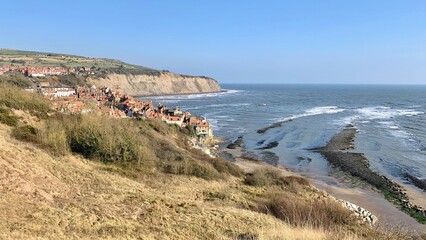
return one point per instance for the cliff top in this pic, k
(12, 57)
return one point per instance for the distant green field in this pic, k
(32, 58)
(12, 52)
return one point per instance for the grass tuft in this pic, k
(302, 212)
(7, 118)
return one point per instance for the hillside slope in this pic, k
(70, 197)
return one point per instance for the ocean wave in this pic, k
(314, 111)
(194, 96)
(389, 125)
(366, 114)
(381, 112)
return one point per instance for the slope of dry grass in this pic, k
(52, 189)
(69, 197)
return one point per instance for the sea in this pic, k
(391, 122)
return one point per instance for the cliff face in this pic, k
(166, 83)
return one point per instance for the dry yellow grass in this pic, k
(44, 195)
(69, 197)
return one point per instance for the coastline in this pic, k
(389, 215)
(177, 94)
(338, 152)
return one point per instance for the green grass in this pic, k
(26, 133)
(103, 66)
(7, 118)
(390, 196)
(14, 52)
(11, 57)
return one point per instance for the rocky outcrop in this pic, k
(163, 84)
(357, 165)
(360, 212)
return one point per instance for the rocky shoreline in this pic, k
(357, 165)
(249, 161)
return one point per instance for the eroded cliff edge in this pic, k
(163, 84)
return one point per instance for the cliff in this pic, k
(163, 84)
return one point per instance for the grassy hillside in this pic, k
(89, 177)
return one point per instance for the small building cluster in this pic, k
(42, 71)
(114, 103)
(105, 100)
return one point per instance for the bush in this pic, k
(270, 177)
(224, 166)
(109, 140)
(263, 177)
(54, 136)
(221, 165)
(8, 119)
(191, 168)
(26, 133)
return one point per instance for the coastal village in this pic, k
(106, 101)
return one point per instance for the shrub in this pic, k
(26, 133)
(191, 168)
(270, 177)
(221, 165)
(54, 135)
(7, 118)
(224, 166)
(110, 140)
(263, 177)
(15, 79)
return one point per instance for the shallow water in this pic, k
(391, 122)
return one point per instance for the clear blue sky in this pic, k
(300, 41)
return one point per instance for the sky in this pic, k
(299, 41)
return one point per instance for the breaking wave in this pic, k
(313, 112)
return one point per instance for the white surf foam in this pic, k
(381, 112)
(366, 114)
(194, 96)
(315, 111)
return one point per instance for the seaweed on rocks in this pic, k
(251, 156)
(236, 143)
(270, 158)
(270, 145)
(274, 125)
(416, 181)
